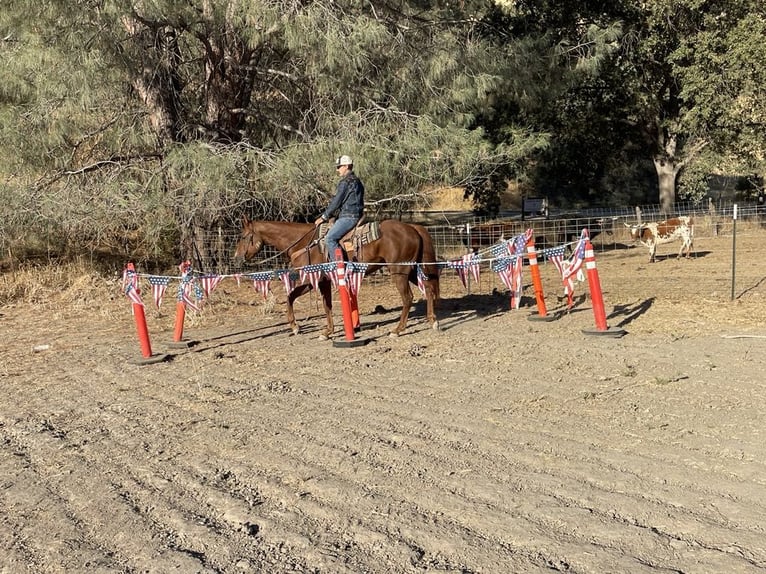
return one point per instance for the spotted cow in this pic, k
(658, 233)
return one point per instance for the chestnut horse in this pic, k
(398, 243)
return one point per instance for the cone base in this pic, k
(609, 332)
(156, 358)
(535, 316)
(353, 343)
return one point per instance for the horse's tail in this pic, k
(428, 258)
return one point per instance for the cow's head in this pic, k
(635, 230)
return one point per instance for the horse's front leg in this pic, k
(403, 285)
(294, 294)
(325, 289)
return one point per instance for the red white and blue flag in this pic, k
(463, 265)
(261, 283)
(556, 256)
(471, 263)
(159, 286)
(209, 283)
(354, 275)
(130, 285)
(421, 280)
(509, 267)
(313, 274)
(571, 268)
(288, 281)
(577, 258)
(519, 244)
(186, 292)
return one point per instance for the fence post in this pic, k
(345, 301)
(534, 269)
(733, 250)
(596, 296)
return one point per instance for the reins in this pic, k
(293, 244)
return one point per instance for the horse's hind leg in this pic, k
(403, 284)
(431, 298)
(294, 294)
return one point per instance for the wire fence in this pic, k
(610, 233)
(609, 230)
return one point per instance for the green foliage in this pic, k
(141, 127)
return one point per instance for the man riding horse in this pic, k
(348, 202)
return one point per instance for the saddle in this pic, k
(352, 242)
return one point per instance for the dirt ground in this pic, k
(499, 445)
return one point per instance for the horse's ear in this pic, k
(245, 221)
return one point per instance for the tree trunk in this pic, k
(667, 171)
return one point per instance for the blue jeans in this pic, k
(342, 225)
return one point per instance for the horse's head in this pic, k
(250, 241)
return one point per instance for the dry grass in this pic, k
(73, 284)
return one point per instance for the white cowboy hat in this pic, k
(343, 160)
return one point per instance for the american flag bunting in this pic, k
(261, 283)
(421, 278)
(288, 281)
(159, 285)
(569, 269)
(130, 285)
(209, 283)
(354, 275)
(313, 273)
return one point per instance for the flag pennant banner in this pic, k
(288, 280)
(516, 286)
(501, 263)
(577, 258)
(421, 279)
(463, 265)
(501, 250)
(472, 264)
(312, 273)
(185, 291)
(556, 256)
(461, 275)
(209, 283)
(505, 274)
(354, 275)
(159, 286)
(459, 268)
(333, 275)
(130, 285)
(186, 296)
(261, 283)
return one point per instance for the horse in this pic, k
(400, 246)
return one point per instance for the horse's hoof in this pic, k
(324, 337)
(436, 326)
(296, 331)
(394, 334)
